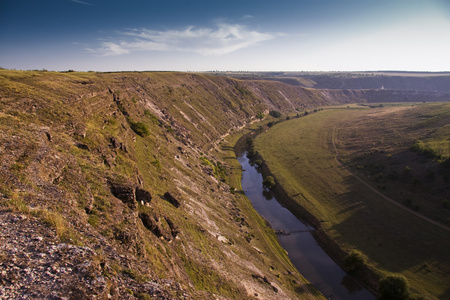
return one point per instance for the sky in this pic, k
(225, 35)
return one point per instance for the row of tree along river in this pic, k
(296, 237)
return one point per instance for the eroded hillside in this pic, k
(115, 185)
(372, 86)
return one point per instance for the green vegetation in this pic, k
(428, 151)
(218, 170)
(251, 152)
(354, 261)
(263, 232)
(152, 117)
(139, 128)
(394, 287)
(268, 182)
(301, 156)
(275, 113)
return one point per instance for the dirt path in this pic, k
(333, 139)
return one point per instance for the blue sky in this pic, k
(244, 35)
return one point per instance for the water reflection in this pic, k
(350, 284)
(267, 194)
(304, 252)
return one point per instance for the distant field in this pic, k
(403, 151)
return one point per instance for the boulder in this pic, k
(173, 229)
(143, 196)
(172, 199)
(151, 224)
(123, 192)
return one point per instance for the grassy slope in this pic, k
(57, 154)
(394, 241)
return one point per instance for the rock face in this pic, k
(125, 193)
(151, 224)
(129, 194)
(143, 196)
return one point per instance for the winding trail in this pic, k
(333, 139)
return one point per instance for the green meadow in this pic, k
(401, 151)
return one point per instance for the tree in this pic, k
(269, 182)
(260, 115)
(354, 260)
(271, 123)
(394, 287)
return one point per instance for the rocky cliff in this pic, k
(371, 86)
(117, 186)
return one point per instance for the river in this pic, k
(304, 252)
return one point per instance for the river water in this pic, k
(304, 252)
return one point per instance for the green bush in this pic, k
(394, 287)
(139, 127)
(275, 114)
(152, 117)
(250, 142)
(421, 148)
(354, 260)
(251, 152)
(269, 182)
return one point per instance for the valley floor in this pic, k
(301, 156)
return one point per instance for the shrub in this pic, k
(258, 162)
(275, 114)
(139, 127)
(251, 152)
(354, 260)
(260, 115)
(152, 117)
(421, 148)
(250, 142)
(394, 287)
(269, 182)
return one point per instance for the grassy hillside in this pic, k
(121, 185)
(373, 143)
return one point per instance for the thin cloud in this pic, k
(223, 39)
(82, 2)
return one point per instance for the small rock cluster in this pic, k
(130, 194)
(35, 265)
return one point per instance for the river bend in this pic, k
(304, 252)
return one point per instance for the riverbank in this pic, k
(263, 236)
(365, 275)
(298, 240)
